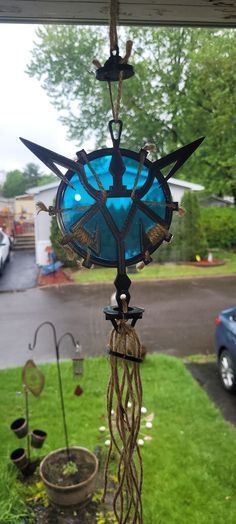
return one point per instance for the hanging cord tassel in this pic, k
(143, 154)
(40, 206)
(124, 388)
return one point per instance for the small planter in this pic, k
(37, 438)
(20, 427)
(19, 458)
(76, 488)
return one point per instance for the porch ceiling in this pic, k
(132, 12)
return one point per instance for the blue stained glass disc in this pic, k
(111, 225)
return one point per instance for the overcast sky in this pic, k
(25, 109)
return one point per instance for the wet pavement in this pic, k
(178, 319)
(207, 376)
(20, 273)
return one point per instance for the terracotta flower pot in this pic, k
(19, 458)
(37, 438)
(76, 493)
(20, 428)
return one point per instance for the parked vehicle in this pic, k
(4, 250)
(225, 343)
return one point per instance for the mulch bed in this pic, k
(58, 277)
(205, 263)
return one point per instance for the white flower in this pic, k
(129, 404)
(107, 442)
(148, 425)
(143, 410)
(102, 429)
(140, 442)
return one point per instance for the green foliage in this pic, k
(189, 238)
(220, 226)
(209, 108)
(15, 184)
(70, 468)
(62, 61)
(193, 239)
(56, 237)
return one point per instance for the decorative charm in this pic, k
(33, 378)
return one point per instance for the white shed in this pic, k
(47, 193)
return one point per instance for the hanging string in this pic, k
(99, 183)
(125, 389)
(116, 111)
(113, 25)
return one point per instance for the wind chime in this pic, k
(114, 209)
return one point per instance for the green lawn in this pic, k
(155, 271)
(189, 466)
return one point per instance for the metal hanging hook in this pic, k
(115, 134)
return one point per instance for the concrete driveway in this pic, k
(207, 376)
(20, 273)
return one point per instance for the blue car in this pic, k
(225, 343)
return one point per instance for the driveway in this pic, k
(20, 273)
(207, 376)
(178, 319)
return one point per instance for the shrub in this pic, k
(189, 237)
(56, 238)
(220, 226)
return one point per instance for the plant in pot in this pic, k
(69, 473)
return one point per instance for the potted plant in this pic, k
(69, 482)
(68, 473)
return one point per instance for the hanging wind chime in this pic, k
(114, 209)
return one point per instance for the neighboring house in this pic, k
(215, 201)
(7, 214)
(47, 193)
(24, 215)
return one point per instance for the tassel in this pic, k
(181, 211)
(40, 206)
(69, 253)
(125, 388)
(157, 233)
(96, 63)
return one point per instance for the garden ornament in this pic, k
(114, 209)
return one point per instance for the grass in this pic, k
(162, 271)
(189, 466)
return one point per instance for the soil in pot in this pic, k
(56, 470)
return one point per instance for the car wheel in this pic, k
(227, 371)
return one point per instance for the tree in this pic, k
(209, 109)
(32, 174)
(15, 184)
(62, 61)
(192, 238)
(184, 87)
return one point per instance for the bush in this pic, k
(220, 226)
(189, 237)
(56, 238)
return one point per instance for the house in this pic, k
(47, 193)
